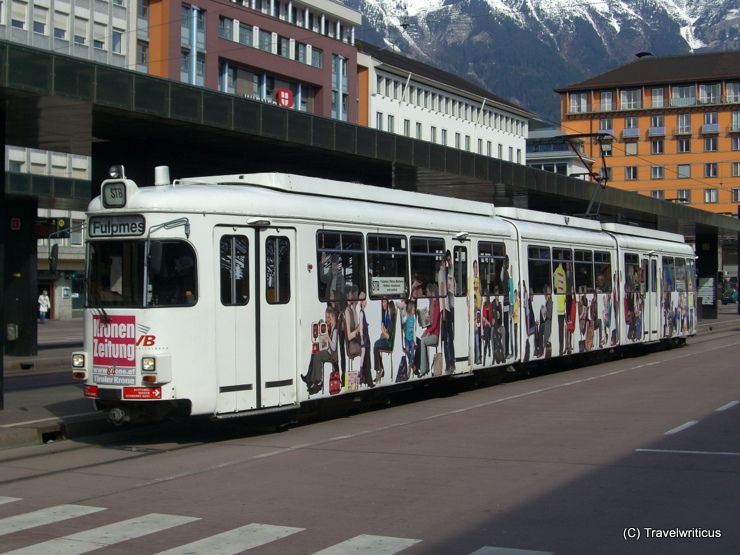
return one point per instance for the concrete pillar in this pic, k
(2, 260)
(707, 267)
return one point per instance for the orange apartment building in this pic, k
(676, 127)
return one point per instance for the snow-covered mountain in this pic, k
(522, 49)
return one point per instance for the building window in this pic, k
(317, 58)
(657, 121)
(605, 101)
(225, 28)
(735, 167)
(80, 32)
(579, 102)
(40, 19)
(710, 196)
(631, 99)
(683, 196)
(683, 96)
(710, 169)
(379, 121)
(630, 173)
(444, 137)
(467, 143)
(657, 172)
(684, 123)
(500, 152)
(684, 171)
(656, 146)
(658, 194)
(418, 130)
(433, 134)
(630, 149)
(117, 41)
(606, 125)
(709, 93)
(736, 143)
(710, 144)
(735, 121)
(733, 91)
(736, 194)
(407, 127)
(511, 154)
(457, 140)
(391, 124)
(656, 96)
(489, 149)
(265, 41)
(683, 145)
(142, 54)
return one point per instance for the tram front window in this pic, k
(117, 274)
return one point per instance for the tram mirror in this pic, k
(155, 257)
(53, 258)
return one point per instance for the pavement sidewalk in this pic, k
(57, 339)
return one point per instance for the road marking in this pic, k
(684, 452)
(375, 545)
(235, 541)
(50, 419)
(4, 500)
(507, 551)
(682, 427)
(105, 536)
(44, 516)
(727, 406)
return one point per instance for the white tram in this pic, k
(240, 294)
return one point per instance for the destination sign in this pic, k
(116, 226)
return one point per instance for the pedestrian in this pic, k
(44, 305)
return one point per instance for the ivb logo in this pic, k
(146, 341)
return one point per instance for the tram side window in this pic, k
(427, 256)
(690, 274)
(631, 273)
(491, 259)
(680, 275)
(603, 271)
(234, 265)
(584, 271)
(341, 264)
(460, 263)
(669, 283)
(277, 270)
(562, 272)
(539, 266)
(387, 259)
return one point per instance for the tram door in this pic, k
(277, 317)
(463, 268)
(652, 298)
(235, 315)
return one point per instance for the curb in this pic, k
(49, 432)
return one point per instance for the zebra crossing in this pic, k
(229, 542)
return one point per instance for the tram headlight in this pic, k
(149, 364)
(78, 360)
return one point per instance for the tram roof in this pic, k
(621, 229)
(533, 216)
(318, 187)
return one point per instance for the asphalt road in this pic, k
(583, 461)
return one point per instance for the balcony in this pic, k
(709, 128)
(683, 131)
(734, 127)
(631, 133)
(681, 102)
(656, 131)
(709, 100)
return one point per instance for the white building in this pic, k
(95, 30)
(407, 97)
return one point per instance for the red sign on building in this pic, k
(284, 98)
